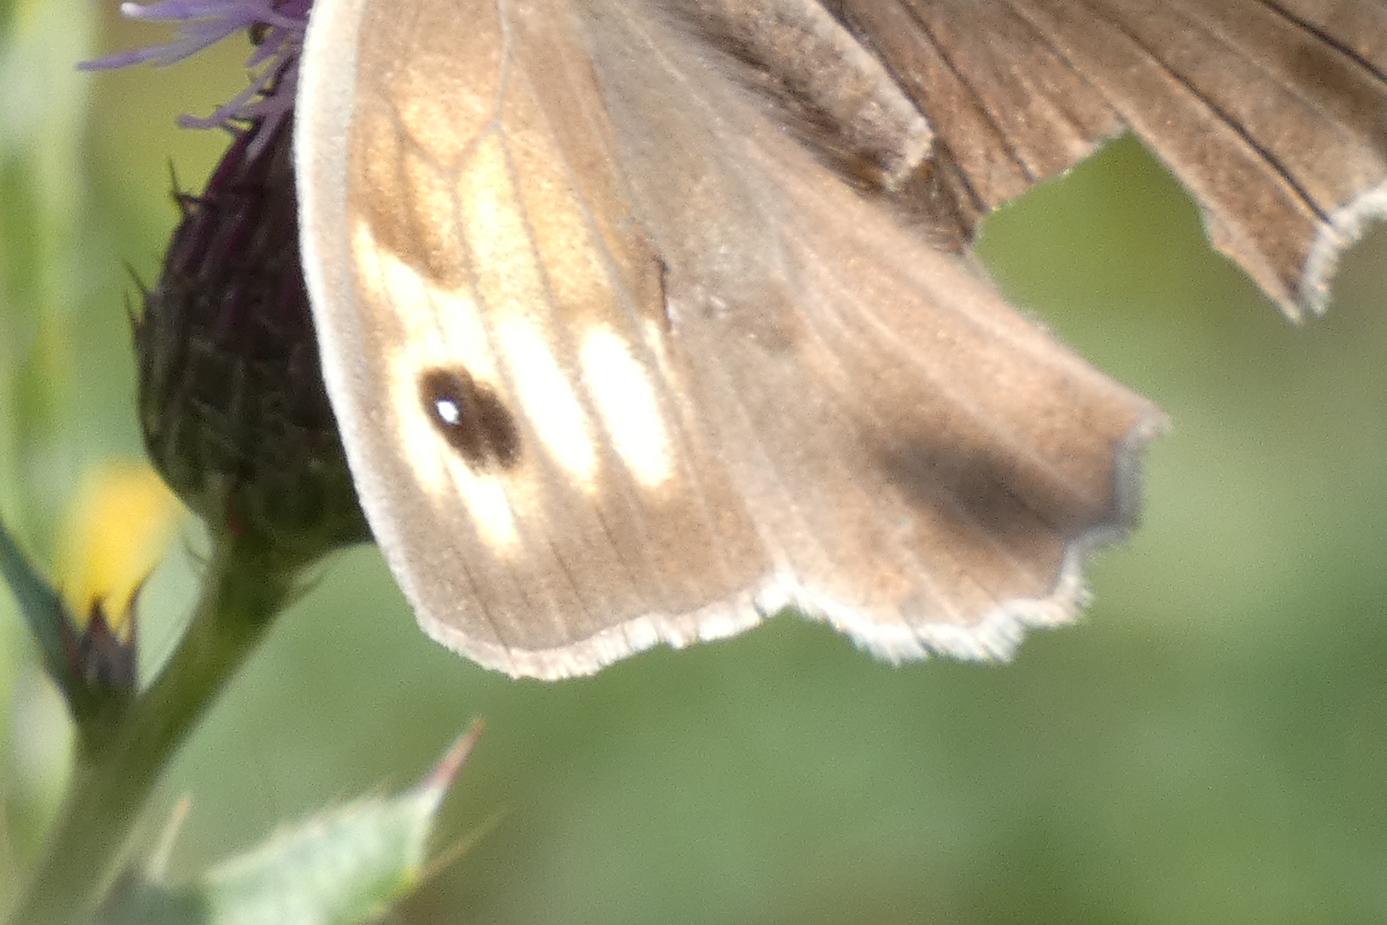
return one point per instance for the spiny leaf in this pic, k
(348, 865)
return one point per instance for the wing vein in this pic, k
(1310, 28)
(787, 496)
(546, 462)
(1287, 179)
(940, 144)
(979, 101)
(628, 305)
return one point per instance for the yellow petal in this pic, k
(115, 532)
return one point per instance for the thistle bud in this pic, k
(231, 397)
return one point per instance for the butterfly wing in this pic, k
(489, 315)
(1272, 114)
(616, 361)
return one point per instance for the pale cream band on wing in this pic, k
(547, 395)
(521, 307)
(446, 329)
(514, 286)
(462, 341)
(625, 398)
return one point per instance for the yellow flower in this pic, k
(115, 532)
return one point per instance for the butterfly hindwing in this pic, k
(924, 463)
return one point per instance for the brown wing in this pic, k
(1273, 113)
(617, 361)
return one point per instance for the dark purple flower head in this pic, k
(231, 398)
(276, 27)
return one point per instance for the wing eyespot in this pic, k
(471, 417)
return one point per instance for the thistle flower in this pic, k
(232, 402)
(236, 420)
(275, 26)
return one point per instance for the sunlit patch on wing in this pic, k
(625, 399)
(445, 321)
(508, 279)
(516, 293)
(490, 509)
(547, 395)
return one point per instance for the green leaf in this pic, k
(40, 606)
(345, 866)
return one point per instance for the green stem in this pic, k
(114, 773)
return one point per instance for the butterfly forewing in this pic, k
(488, 254)
(639, 327)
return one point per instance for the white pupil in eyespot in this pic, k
(448, 411)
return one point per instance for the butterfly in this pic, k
(645, 319)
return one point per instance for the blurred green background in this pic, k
(1208, 744)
